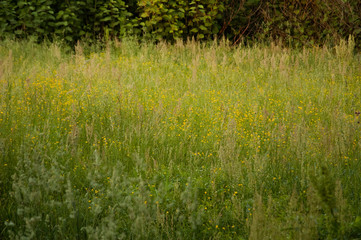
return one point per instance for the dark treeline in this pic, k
(294, 22)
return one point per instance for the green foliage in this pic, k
(311, 22)
(296, 22)
(163, 19)
(7, 17)
(203, 18)
(111, 18)
(34, 17)
(241, 20)
(69, 24)
(181, 19)
(90, 19)
(69, 20)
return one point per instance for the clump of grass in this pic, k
(179, 141)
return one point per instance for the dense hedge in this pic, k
(297, 22)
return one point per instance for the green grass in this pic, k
(184, 141)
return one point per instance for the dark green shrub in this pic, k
(170, 20)
(241, 19)
(301, 22)
(28, 17)
(7, 17)
(295, 22)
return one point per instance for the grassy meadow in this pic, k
(184, 141)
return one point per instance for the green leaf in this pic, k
(18, 32)
(203, 28)
(144, 15)
(106, 19)
(215, 29)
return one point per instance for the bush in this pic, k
(296, 22)
(311, 22)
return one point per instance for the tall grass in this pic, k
(183, 141)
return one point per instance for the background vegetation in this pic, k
(295, 22)
(183, 141)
